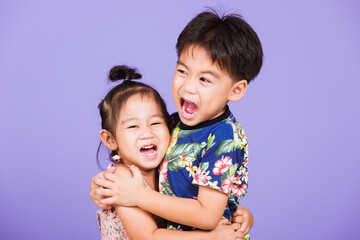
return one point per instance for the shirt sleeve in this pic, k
(223, 162)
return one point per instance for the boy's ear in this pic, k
(238, 90)
(108, 140)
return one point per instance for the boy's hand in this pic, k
(243, 216)
(93, 186)
(224, 231)
(120, 190)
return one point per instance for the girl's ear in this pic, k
(108, 140)
(238, 90)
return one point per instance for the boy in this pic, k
(204, 173)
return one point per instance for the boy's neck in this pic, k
(217, 119)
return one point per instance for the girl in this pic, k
(135, 127)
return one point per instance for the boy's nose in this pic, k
(189, 86)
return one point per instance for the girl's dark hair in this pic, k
(111, 105)
(228, 39)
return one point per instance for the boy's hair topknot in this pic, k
(228, 39)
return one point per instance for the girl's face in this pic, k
(142, 135)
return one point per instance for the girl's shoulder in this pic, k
(122, 170)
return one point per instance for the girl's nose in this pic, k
(147, 133)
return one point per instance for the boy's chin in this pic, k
(189, 122)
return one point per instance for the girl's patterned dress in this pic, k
(110, 226)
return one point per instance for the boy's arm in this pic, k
(134, 218)
(203, 212)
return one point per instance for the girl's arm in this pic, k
(203, 212)
(140, 224)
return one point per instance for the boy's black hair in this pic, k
(228, 39)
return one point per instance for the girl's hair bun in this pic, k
(123, 72)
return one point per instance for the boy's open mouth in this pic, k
(148, 150)
(188, 109)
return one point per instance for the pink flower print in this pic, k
(227, 184)
(163, 170)
(222, 165)
(234, 127)
(200, 177)
(185, 161)
(239, 190)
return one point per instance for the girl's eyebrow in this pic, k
(128, 120)
(134, 119)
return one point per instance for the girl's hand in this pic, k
(118, 190)
(226, 231)
(93, 186)
(244, 217)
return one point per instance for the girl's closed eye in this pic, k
(132, 126)
(157, 123)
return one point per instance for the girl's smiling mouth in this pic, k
(149, 151)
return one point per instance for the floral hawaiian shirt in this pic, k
(212, 154)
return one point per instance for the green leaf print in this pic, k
(232, 198)
(210, 142)
(226, 146)
(229, 145)
(184, 133)
(167, 189)
(189, 149)
(225, 175)
(204, 166)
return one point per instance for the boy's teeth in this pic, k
(190, 107)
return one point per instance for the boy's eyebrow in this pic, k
(179, 62)
(211, 73)
(214, 73)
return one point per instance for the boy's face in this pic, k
(200, 88)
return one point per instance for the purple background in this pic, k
(301, 114)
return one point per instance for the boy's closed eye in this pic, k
(204, 80)
(181, 72)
